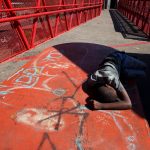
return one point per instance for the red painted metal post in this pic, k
(101, 5)
(46, 13)
(35, 25)
(41, 7)
(86, 13)
(66, 21)
(79, 11)
(146, 21)
(48, 21)
(56, 24)
(77, 16)
(91, 13)
(0, 8)
(57, 19)
(137, 12)
(0, 4)
(17, 23)
(142, 13)
(70, 23)
(43, 24)
(94, 10)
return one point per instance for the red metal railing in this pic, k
(137, 11)
(25, 24)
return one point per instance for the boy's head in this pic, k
(107, 93)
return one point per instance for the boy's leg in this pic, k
(129, 67)
(130, 62)
(133, 73)
(127, 61)
(133, 68)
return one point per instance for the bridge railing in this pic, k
(25, 24)
(137, 11)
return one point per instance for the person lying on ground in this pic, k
(104, 87)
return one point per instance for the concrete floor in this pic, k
(44, 104)
(99, 31)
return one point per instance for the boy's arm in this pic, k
(123, 102)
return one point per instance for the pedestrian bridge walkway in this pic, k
(43, 106)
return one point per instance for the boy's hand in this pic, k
(93, 104)
(97, 105)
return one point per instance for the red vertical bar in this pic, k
(146, 16)
(81, 11)
(34, 31)
(57, 20)
(56, 24)
(66, 21)
(19, 28)
(0, 4)
(124, 10)
(129, 14)
(101, 5)
(0, 8)
(86, 13)
(70, 20)
(82, 3)
(134, 17)
(35, 25)
(60, 2)
(77, 16)
(92, 12)
(148, 31)
(48, 21)
(71, 16)
(143, 8)
(95, 9)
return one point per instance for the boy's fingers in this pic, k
(90, 103)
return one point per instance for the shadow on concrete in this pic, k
(126, 27)
(88, 57)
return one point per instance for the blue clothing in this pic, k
(115, 65)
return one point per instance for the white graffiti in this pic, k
(29, 77)
(32, 116)
(130, 140)
(58, 65)
(53, 56)
(59, 91)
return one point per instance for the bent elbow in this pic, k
(128, 105)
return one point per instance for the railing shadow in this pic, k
(88, 56)
(126, 27)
